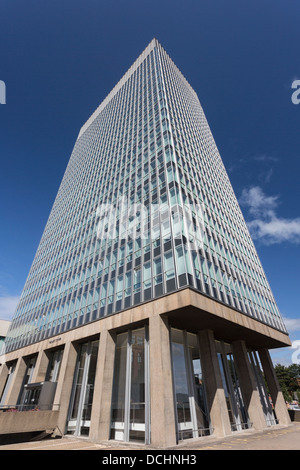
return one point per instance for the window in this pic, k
(180, 260)
(147, 275)
(157, 271)
(169, 265)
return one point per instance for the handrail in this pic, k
(201, 432)
(20, 407)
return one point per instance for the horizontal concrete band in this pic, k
(186, 309)
(27, 421)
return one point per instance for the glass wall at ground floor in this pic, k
(127, 390)
(130, 393)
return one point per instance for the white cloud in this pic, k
(258, 202)
(276, 230)
(289, 355)
(8, 306)
(292, 324)
(266, 226)
(282, 356)
(265, 158)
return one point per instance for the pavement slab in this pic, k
(275, 438)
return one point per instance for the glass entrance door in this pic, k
(25, 400)
(191, 410)
(201, 414)
(130, 402)
(79, 417)
(181, 386)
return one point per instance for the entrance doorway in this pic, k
(79, 416)
(191, 408)
(130, 414)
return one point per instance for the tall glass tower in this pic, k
(146, 220)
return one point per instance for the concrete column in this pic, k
(17, 381)
(162, 409)
(41, 366)
(277, 398)
(101, 408)
(3, 377)
(213, 385)
(65, 382)
(248, 385)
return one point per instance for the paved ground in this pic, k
(277, 438)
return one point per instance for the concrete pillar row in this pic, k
(248, 385)
(3, 377)
(40, 368)
(102, 398)
(17, 381)
(162, 409)
(277, 397)
(213, 384)
(64, 384)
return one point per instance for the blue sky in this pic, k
(60, 58)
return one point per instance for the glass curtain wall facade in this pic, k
(145, 208)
